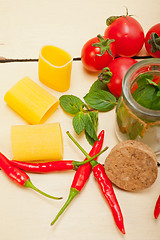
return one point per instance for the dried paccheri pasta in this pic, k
(33, 103)
(37, 142)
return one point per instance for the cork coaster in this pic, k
(131, 165)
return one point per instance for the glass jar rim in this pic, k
(143, 112)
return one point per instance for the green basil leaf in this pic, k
(71, 104)
(155, 104)
(94, 117)
(144, 95)
(135, 129)
(144, 79)
(79, 122)
(98, 85)
(100, 100)
(158, 93)
(91, 123)
(89, 139)
(153, 83)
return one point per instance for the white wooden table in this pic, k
(25, 27)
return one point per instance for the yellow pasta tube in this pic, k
(55, 67)
(30, 101)
(37, 142)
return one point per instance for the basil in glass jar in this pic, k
(138, 109)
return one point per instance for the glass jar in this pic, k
(134, 121)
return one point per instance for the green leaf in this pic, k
(135, 129)
(126, 123)
(71, 104)
(144, 79)
(100, 100)
(158, 93)
(148, 92)
(98, 85)
(79, 122)
(91, 123)
(89, 139)
(119, 102)
(153, 83)
(94, 117)
(155, 104)
(144, 95)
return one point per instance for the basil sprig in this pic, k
(99, 96)
(84, 118)
(86, 113)
(101, 100)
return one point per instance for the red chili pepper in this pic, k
(50, 166)
(81, 175)
(45, 167)
(157, 208)
(18, 176)
(108, 192)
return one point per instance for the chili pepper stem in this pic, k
(81, 175)
(73, 193)
(94, 163)
(78, 145)
(29, 184)
(83, 151)
(89, 159)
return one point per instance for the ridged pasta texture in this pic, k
(37, 142)
(33, 103)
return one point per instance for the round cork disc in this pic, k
(131, 165)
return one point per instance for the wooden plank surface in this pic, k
(25, 27)
(28, 25)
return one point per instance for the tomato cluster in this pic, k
(123, 39)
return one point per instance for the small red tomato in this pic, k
(152, 41)
(97, 53)
(128, 35)
(119, 67)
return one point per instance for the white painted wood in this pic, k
(25, 26)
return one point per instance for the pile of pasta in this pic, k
(35, 141)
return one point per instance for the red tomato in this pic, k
(156, 79)
(155, 52)
(128, 35)
(119, 67)
(92, 58)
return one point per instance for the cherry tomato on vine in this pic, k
(119, 67)
(152, 41)
(97, 53)
(128, 35)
